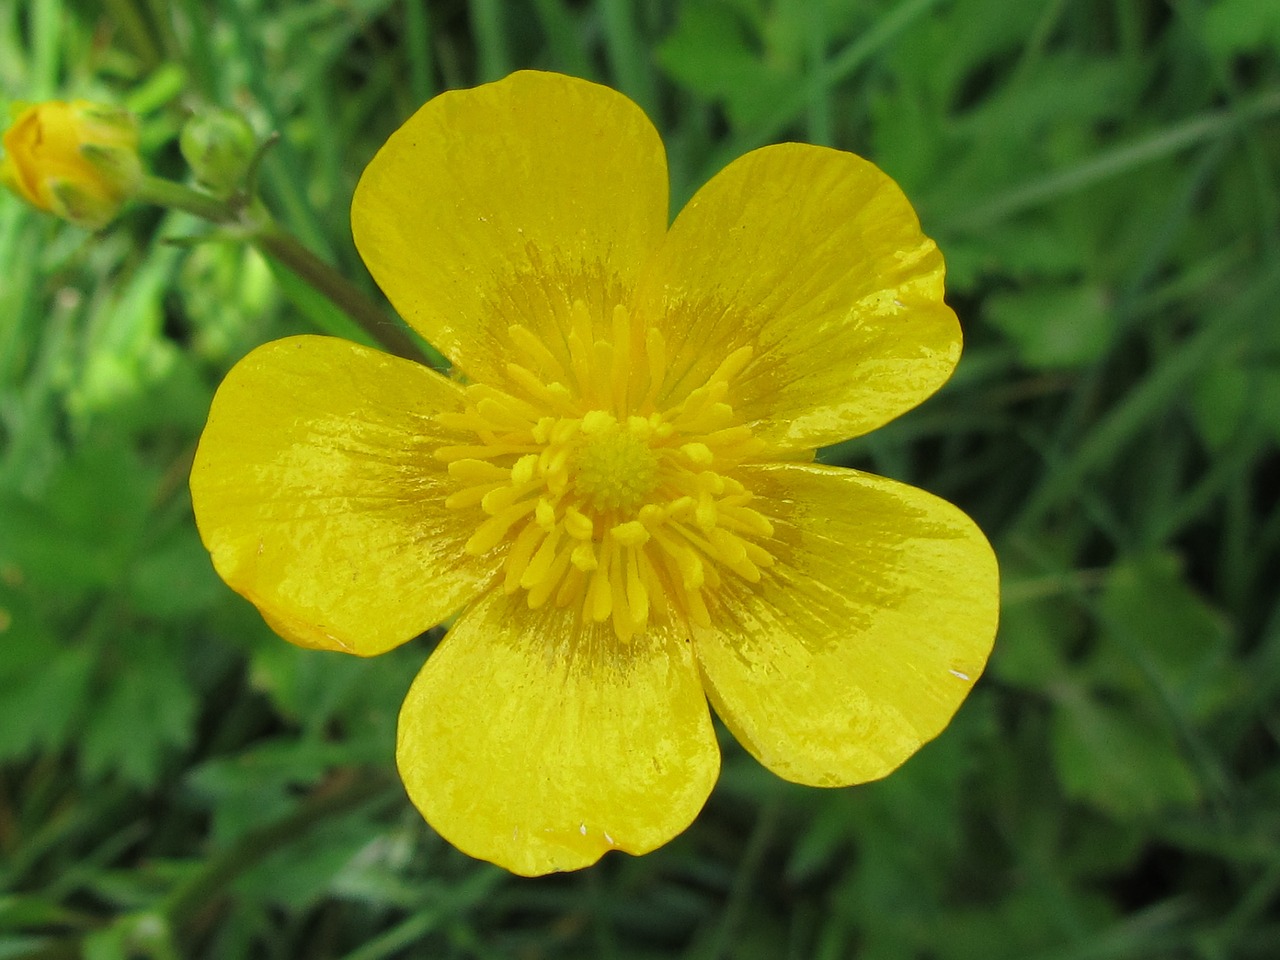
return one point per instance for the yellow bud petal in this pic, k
(76, 160)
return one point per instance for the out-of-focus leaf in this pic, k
(27, 911)
(1055, 326)
(82, 531)
(175, 578)
(709, 54)
(1151, 615)
(1117, 761)
(261, 784)
(1233, 393)
(146, 708)
(1242, 26)
(44, 694)
(1029, 649)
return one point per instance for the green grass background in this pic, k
(1104, 179)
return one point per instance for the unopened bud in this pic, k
(77, 160)
(219, 145)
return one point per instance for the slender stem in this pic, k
(252, 223)
(166, 193)
(344, 294)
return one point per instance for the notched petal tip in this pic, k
(540, 744)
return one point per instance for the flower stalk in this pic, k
(248, 220)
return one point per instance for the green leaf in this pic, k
(1055, 326)
(85, 524)
(1233, 394)
(147, 709)
(1156, 627)
(1242, 26)
(261, 784)
(1029, 648)
(1113, 759)
(17, 912)
(175, 578)
(44, 691)
(709, 54)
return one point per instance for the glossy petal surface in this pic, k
(539, 745)
(860, 643)
(815, 259)
(317, 493)
(503, 205)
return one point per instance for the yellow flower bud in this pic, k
(77, 160)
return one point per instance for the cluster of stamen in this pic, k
(609, 494)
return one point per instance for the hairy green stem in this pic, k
(341, 291)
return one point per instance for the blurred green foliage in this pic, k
(1104, 178)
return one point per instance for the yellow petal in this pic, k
(538, 743)
(317, 493)
(858, 645)
(503, 204)
(815, 259)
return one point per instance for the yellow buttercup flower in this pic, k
(77, 160)
(618, 493)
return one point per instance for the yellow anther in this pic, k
(630, 534)
(655, 349)
(640, 427)
(469, 496)
(501, 413)
(449, 454)
(637, 593)
(554, 395)
(708, 482)
(732, 365)
(577, 524)
(597, 422)
(495, 501)
(571, 587)
(540, 591)
(698, 454)
(532, 347)
(562, 431)
(747, 520)
(525, 469)
(698, 609)
(545, 514)
(681, 507)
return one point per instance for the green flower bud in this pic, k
(219, 145)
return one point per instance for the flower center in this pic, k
(603, 487)
(613, 469)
